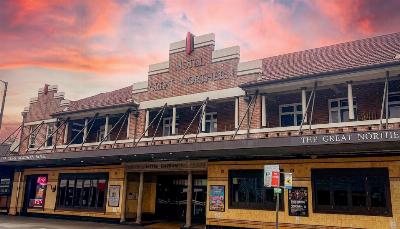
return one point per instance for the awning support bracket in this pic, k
(109, 132)
(253, 99)
(385, 103)
(51, 135)
(312, 97)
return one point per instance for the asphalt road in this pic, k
(20, 222)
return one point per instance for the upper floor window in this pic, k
(211, 122)
(32, 138)
(49, 137)
(339, 110)
(167, 126)
(394, 104)
(290, 114)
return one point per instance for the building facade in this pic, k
(189, 145)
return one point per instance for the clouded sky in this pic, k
(87, 47)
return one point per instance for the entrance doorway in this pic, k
(35, 192)
(171, 198)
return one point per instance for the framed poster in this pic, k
(298, 201)
(113, 195)
(217, 198)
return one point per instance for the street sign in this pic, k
(271, 176)
(277, 190)
(288, 182)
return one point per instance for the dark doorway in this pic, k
(171, 198)
(35, 192)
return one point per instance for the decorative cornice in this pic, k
(249, 67)
(226, 54)
(158, 68)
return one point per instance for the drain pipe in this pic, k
(18, 191)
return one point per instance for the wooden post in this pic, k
(147, 123)
(350, 100)
(304, 104)
(123, 199)
(140, 199)
(173, 127)
(236, 112)
(263, 111)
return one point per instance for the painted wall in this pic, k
(218, 175)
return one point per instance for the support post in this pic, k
(66, 133)
(203, 119)
(304, 104)
(85, 131)
(123, 199)
(128, 124)
(173, 130)
(146, 133)
(263, 111)
(106, 127)
(350, 100)
(236, 112)
(140, 199)
(189, 192)
(18, 191)
(277, 212)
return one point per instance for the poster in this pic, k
(113, 196)
(298, 201)
(217, 198)
(271, 176)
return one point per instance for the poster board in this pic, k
(217, 198)
(298, 201)
(113, 195)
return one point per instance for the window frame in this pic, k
(294, 113)
(49, 131)
(33, 134)
(211, 121)
(243, 173)
(395, 103)
(339, 108)
(364, 173)
(82, 176)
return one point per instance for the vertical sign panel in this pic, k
(271, 176)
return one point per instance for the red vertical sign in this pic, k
(189, 43)
(275, 179)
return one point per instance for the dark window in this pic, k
(82, 191)
(247, 191)
(355, 191)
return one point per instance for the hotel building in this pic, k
(189, 144)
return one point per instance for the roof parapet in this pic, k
(158, 68)
(226, 54)
(140, 87)
(249, 67)
(199, 41)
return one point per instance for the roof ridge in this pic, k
(337, 44)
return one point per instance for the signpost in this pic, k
(272, 176)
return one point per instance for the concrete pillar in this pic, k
(350, 100)
(106, 127)
(85, 131)
(140, 199)
(203, 119)
(123, 199)
(146, 126)
(65, 140)
(263, 111)
(303, 103)
(189, 192)
(173, 128)
(236, 112)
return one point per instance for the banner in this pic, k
(217, 198)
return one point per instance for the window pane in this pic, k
(394, 111)
(287, 109)
(299, 118)
(344, 103)
(70, 193)
(377, 191)
(78, 192)
(344, 115)
(334, 116)
(358, 192)
(287, 120)
(299, 108)
(322, 189)
(334, 104)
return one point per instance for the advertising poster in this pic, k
(298, 201)
(217, 198)
(113, 198)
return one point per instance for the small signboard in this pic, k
(298, 201)
(217, 198)
(271, 176)
(288, 182)
(277, 190)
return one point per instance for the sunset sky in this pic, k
(88, 47)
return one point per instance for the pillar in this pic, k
(236, 112)
(203, 119)
(189, 192)
(147, 123)
(350, 100)
(304, 103)
(128, 125)
(85, 131)
(123, 199)
(173, 128)
(140, 199)
(106, 126)
(263, 111)
(66, 133)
